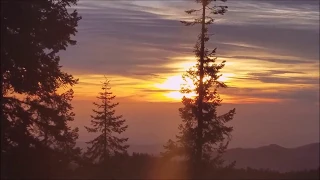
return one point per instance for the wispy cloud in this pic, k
(142, 43)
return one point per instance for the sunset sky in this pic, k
(272, 69)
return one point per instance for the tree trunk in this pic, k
(200, 100)
(105, 127)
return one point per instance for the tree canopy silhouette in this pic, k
(32, 33)
(202, 131)
(35, 110)
(105, 122)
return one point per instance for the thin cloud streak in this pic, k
(142, 42)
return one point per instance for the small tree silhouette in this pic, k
(106, 123)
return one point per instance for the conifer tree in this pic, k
(34, 117)
(43, 143)
(202, 131)
(52, 115)
(105, 123)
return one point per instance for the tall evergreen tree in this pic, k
(32, 33)
(202, 131)
(42, 141)
(105, 122)
(34, 117)
(52, 113)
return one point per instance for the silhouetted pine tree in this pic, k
(33, 115)
(44, 143)
(106, 123)
(203, 131)
(52, 113)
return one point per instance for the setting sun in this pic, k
(174, 83)
(178, 95)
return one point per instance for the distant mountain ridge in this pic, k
(273, 157)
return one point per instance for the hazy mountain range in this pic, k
(273, 157)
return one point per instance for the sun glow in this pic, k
(178, 95)
(174, 83)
